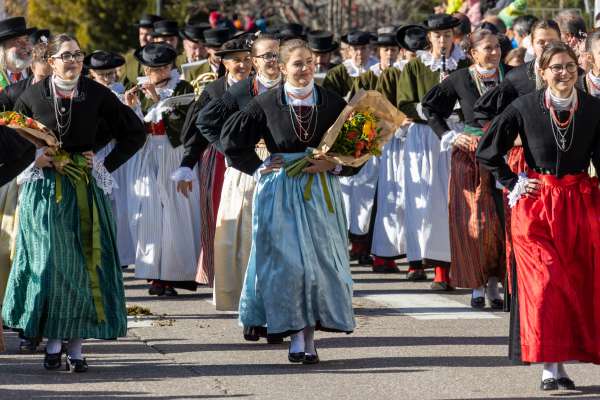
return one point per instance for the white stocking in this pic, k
(479, 292)
(297, 345)
(550, 371)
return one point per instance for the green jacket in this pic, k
(338, 80)
(199, 70)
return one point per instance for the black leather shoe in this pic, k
(417, 275)
(311, 358)
(28, 345)
(549, 384)
(295, 357)
(170, 291)
(76, 365)
(274, 340)
(478, 302)
(156, 290)
(365, 259)
(566, 384)
(250, 334)
(52, 361)
(497, 304)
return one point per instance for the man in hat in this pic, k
(167, 31)
(133, 69)
(322, 45)
(341, 78)
(193, 46)
(213, 40)
(15, 50)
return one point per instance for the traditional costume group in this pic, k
(180, 173)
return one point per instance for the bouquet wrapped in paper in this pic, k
(366, 124)
(29, 129)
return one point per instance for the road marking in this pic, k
(428, 306)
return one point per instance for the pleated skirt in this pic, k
(233, 236)
(8, 231)
(167, 224)
(49, 290)
(476, 235)
(298, 273)
(389, 236)
(358, 193)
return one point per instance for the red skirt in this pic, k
(556, 239)
(476, 235)
(212, 173)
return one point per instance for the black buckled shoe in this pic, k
(156, 289)
(170, 291)
(295, 357)
(52, 361)
(274, 339)
(78, 366)
(549, 384)
(250, 334)
(566, 384)
(478, 302)
(365, 259)
(497, 304)
(416, 275)
(311, 358)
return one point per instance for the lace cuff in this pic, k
(183, 174)
(32, 173)
(519, 190)
(104, 179)
(448, 140)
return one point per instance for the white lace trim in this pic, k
(184, 174)
(32, 173)
(448, 140)
(519, 190)
(104, 179)
(436, 64)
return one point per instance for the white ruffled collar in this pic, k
(156, 112)
(376, 68)
(166, 91)
(352, 69)
(436, 64)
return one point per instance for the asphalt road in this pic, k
(410, 343)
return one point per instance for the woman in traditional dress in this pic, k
(293, 289)
(555, 215)
(427, 168)
(66, 280)
(476, 230)
(167, 226)
(233, 234)
(102, 67)
(236, 65)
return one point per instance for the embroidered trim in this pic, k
(519, 190)
(32, 173)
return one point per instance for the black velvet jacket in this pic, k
(10, 94)
(268, 117)
(92, 104)
(438, 103)
(16, 154)
(194, 143)
(529, 118)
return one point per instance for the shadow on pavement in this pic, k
(102, 395)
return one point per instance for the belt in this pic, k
(156, 129)
(552, 171)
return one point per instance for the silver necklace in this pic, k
(561, 135)
(61, 114)
(304, 134)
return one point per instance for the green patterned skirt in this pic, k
(52, 291)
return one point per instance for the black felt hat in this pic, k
(101, 60)
(195, 32)
(441, 22)
(233, 46)
(155, 55)
(40, 36)
(13, 27)
(165, 28)
(292, 31)
(216, 37)
(386, 40)
(412, 37)
(148, 20)
(357, 38)
(321, 42)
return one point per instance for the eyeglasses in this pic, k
(67, 57)
(268, 56)
(559, 68)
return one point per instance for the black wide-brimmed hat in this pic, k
(441, 22)
(155, 55)
(412, 37)
(102, 60)
(292, 31)
(194, 32)
(386, 40)
(13, 27)
(233, 46)
(165, 28)
(216, 37)
(357, 38)
(148, 20)
(40, 36)
(321, 42)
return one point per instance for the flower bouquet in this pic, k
(28, 128)
(367, 123)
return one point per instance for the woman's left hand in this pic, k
(89, 156)
(150, 92)
(318, 166)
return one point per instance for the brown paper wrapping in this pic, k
(389, 120)
(40, 138)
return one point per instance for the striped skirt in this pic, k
(49, 290)
(476, 236)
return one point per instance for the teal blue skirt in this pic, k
(49, 291)
(298, 273)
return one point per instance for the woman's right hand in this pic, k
(44, 159)
(184, 187)
(131, 97)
